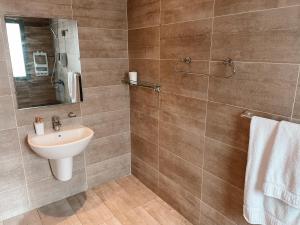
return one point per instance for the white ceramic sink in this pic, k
(60, 148)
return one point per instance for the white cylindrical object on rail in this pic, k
(133, 77)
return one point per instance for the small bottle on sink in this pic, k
(39, 126)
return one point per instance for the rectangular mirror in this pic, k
(45, 61)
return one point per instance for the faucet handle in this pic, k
(55, 119)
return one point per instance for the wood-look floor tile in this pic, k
(30, 218)
(89, 208)
(58, 213)
(164, 214)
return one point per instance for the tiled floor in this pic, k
(122, 202)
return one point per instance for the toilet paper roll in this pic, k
(133, 78)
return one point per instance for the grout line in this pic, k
(259, 10)
(145, 27)
(295, 95)
(159, 96)
(206, 112)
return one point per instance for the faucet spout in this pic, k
(56, 124)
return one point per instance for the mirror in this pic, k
(45, 61)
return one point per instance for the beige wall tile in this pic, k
(225, 124)
(225, 162)
(269, 37)
(4, 84)
(210, 216)
(107, 147)
(143, 43)
(9, 145)
(107, 170)
(259, 86)
(296, 111)
(145, 150)
(186, 203)
(223, 197)
(103, 72)
(104, 99)
(148, 69)
(189, 85)
(108, 123)
(187, 145)
(190, 39)
(143, 13)
(102, 43)
(13, 202)
(27, 116)
(144, 125)
(223, 7)
(100, 13)
(11, 174)
(175, 10)
(184, 106)
(182, 172)
(31, 218)
(7, 114)
(145, 173)
(50, 190)
(144, 100)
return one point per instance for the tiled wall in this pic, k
(25, 179)
(189, 143)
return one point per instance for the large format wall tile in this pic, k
(223, 7)
(182, 172)
(187, 145)
(13, 202)
(225, 162)
(183, 201)
(108, 147)
(143, 13)
(225, 124)
(145, 173)
(264, 36)
(103, 72)
(105, 99)
(177, 10)
(189, 85)
(100, 13)
(148, 69)
(7, 114)
(210, 216)
(145, 150)
(107, 170)
(143, 43)
(4, 84)
(225, 198)
(190, 39)
(102, 43)
(259, 86)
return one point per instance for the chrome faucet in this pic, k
(56, 124)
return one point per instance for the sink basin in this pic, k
(60, 148)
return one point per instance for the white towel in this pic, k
(72, 86)
(258, 208)
(282, 179)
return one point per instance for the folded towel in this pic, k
(72, 86)
(259, 208)
(282, 179)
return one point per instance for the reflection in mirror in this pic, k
(45, 60)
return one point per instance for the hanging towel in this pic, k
(282, 179)
(72, 86)
(259, 208)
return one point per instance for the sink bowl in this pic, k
(60, 148)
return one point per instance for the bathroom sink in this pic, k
(61, 144)
(60, 148)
